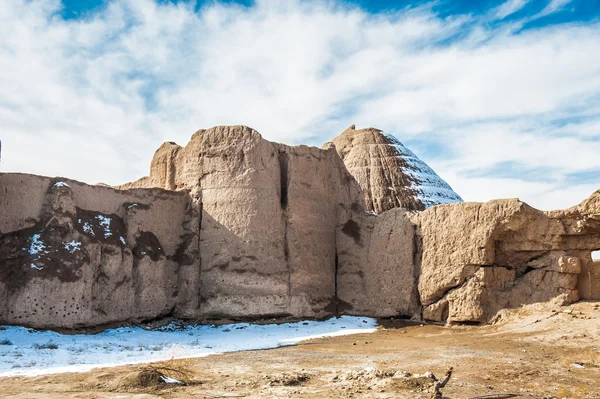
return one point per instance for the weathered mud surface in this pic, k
(534, 352)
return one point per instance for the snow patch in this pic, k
(133, 345)
(37, 246)
(105, 224)
(123, 240)
(431, 189)
(61, 184)
(73, 246)
(169, 380)
(87, 228)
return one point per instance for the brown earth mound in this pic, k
(390, 175)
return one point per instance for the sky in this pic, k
(500, 98)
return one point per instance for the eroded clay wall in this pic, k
(270, 213)
(75, 255)
(376, 265)
(479, 258)
(319, 197)
(260, 229)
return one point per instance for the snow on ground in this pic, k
(30, 352)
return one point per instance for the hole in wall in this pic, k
(596, 254)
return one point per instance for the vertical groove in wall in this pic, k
(417, 258)
(283, 199)
(200, 207)
(283, 178)
(335, 290)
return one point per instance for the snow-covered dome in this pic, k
(391, 175)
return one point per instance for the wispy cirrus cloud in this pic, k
(497, 110)
(509, 7)
(554, 6)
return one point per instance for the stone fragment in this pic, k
(569, 264)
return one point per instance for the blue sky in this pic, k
(566, 11)
(501, 98)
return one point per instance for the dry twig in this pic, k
(439, 384)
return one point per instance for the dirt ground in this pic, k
(538, 351)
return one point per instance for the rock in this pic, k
(390, 175)
(569, 264)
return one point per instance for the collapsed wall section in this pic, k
(479, 258)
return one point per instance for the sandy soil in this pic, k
(535, 352)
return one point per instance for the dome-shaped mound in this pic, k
(391, 175)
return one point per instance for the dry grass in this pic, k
(593, 358)
(156, 376)
(573, 392)
(177, 369)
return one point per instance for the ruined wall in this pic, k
(270, 213)
(376, 268)
(478, 258)
(255, 229)
(74, 255)
(320, 197)
(588, 284)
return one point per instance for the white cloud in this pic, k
(554, 6)
(509, 7)
(92, 99)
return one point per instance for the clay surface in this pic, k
(480, 258)
(269, 220)
(75, 255)
(233, 226)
